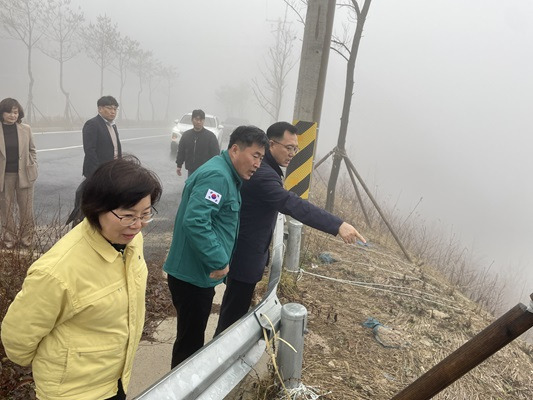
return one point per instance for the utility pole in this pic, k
(308, 104)
(310, 91)
(314, 60)
(308, 107)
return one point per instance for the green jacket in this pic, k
(79, 316)
(207, 223)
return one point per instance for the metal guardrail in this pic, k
(214, 370)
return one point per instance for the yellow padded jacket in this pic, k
(79, 316)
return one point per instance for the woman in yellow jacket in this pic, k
(79, 316)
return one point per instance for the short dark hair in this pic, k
(247, 135)
(118, 183)
(198, 113)
(107, 101)
(277, 129)
(7, 106)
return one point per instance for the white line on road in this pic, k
(70, 132)
(79, 146)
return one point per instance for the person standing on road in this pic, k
(18, 172)
(100, 136)
(197, 145)
(101, 143)
(79, 316)
(205, 230)
(263, 196)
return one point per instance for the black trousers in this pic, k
(193, 306)
(120, 394)
(235, 303)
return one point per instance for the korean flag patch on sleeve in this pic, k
(213, 196)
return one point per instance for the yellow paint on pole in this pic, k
(299, 170)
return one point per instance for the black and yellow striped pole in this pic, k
(298, 174)
(307, 107)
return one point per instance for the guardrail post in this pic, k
(292, 329)
(292, 261)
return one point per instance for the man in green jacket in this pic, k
(205, 230)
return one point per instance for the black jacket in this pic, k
(263, 196)
(97, 145)
(195, 148)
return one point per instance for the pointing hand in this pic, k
(349, 234)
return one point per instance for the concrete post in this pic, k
(292, 329)
(314, 60)
(292, 260)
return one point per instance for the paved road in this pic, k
(60, 157)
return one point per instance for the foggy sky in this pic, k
(442, 103)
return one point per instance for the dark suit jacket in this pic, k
(263, 196)
(97, 145)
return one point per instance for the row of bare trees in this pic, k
(268, 88)
(61, 32)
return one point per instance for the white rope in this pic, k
(403, 275)
(367, 285)
(373, 284)
(301, 392)
(371, 250)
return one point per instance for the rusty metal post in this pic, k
(493, 338)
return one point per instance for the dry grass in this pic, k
(433, 306)
(429, 317)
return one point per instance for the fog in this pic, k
(441, 109)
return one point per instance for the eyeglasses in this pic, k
(290, 149)
(129, 220)
(111, 108)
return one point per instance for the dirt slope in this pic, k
(427, 317)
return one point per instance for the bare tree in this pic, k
(298, 7)
(234, 98)
(169, 75)
(153, 76)
(358, 12)
(63, 42)
(140, 64)
(21, 19)
(99, 42)
(278, 64)
(125, 50)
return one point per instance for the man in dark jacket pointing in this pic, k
(263, 196)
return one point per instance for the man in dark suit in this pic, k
(100, 136)
(263, 196)
(101, 143)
